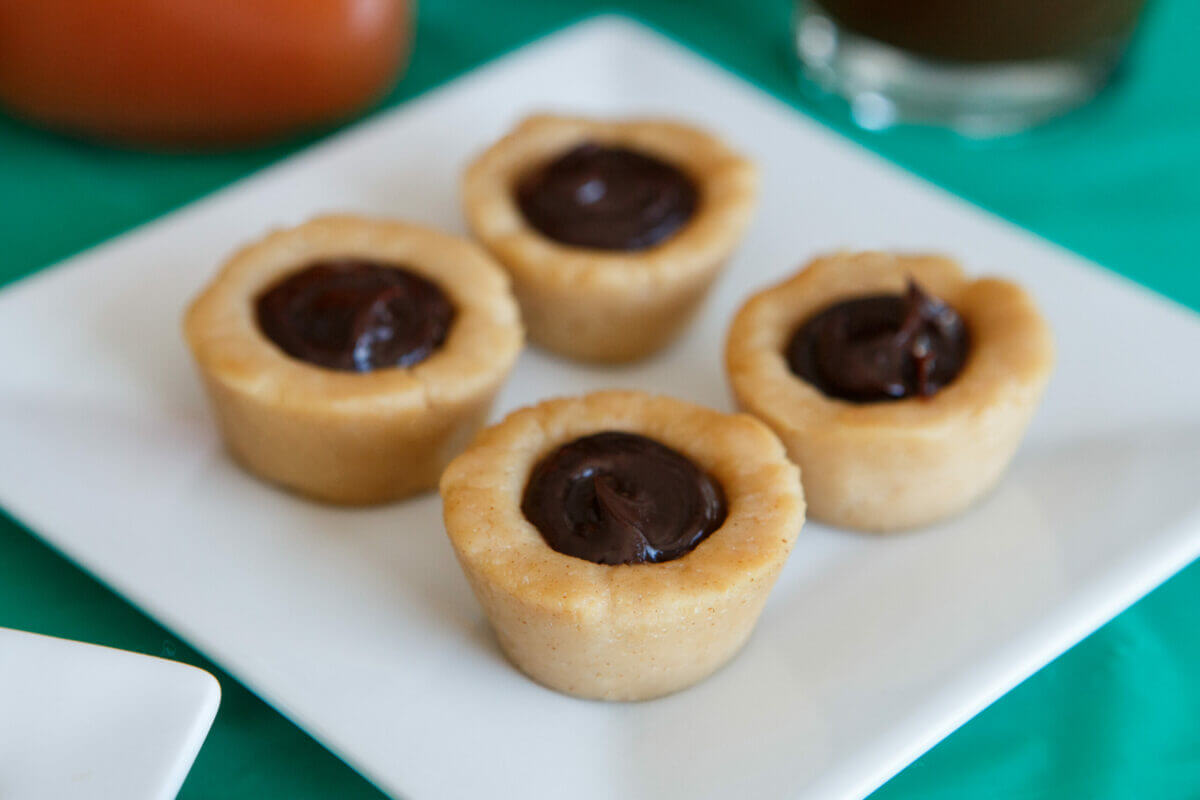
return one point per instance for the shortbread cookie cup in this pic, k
(349, 437)
(632, 631)
(898, 464)
(610, 306)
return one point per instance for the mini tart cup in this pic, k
(905, 463)
(349, 437)
(600, 305)
(633, 631)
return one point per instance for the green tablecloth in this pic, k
(1116, 717)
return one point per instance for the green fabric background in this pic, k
(1115, 717)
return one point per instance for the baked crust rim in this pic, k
(1010, 359)
(483, 487)
(728, 185)
(481, 348)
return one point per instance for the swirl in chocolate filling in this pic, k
(621, 498)
(881, 347)
(355, 315)
(607, 198)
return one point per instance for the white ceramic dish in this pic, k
(358, 624)
(82, 721)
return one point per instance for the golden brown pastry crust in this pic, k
(601, 305)
(635, 631)
(899, 464)
(347, 437)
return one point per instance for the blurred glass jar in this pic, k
(197, 73)
(983, 67)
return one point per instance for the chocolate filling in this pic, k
(621, 498)
(607, 198)
(356, 315)
(880, 347)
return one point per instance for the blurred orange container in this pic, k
(194, 73)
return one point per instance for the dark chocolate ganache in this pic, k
(881, 347)
(621, 498)
(355, 315)
(607, 198)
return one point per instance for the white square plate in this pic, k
(79, 720)
(358, 624)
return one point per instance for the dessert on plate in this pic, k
(899, 386)
(349, 359)
(621, 544)
(612, 231)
